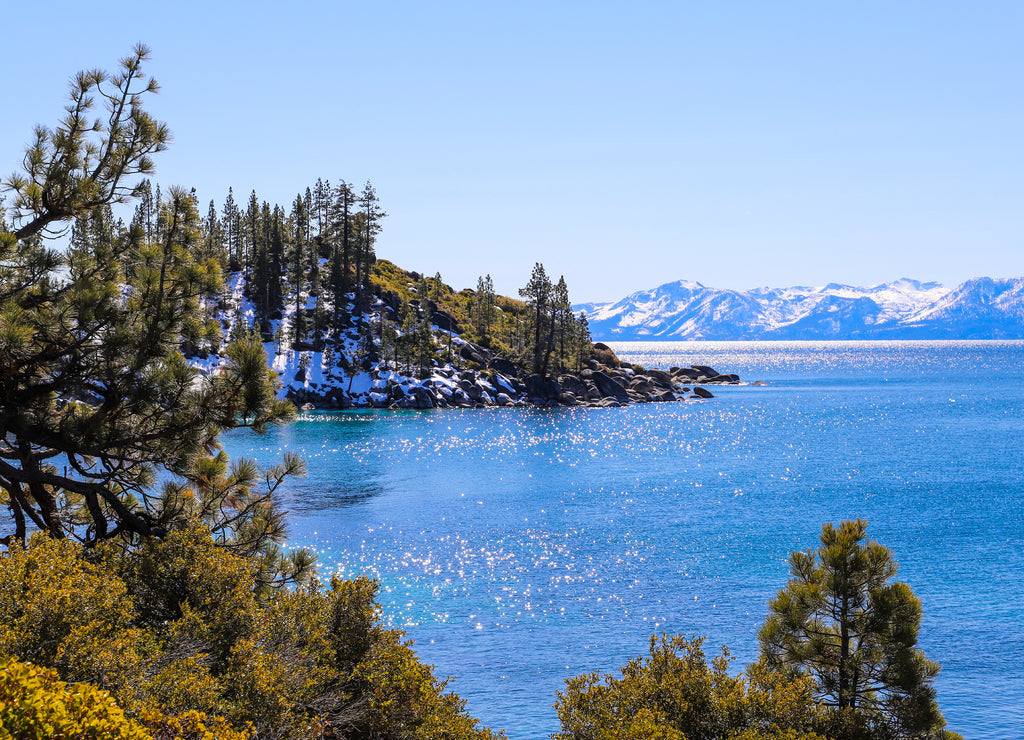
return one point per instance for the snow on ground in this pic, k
(320, 372)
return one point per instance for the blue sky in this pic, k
(738, 144)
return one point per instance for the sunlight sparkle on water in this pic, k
(519, 546)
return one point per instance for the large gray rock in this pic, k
(503, 384)
(643, 385)
(340, 398)
(444, 321)
(573, 385)
(422, 398)
(472, 390)
(392, 300)
(459, 398)
(609, 387)
(659, 376)
(470, 352)
(503, 366)
(702, 392)
(541, 390)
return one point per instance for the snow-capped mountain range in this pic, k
(981, 308)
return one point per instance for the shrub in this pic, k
(604, 354)
(36, 705)
(675, 694)
(191, 725)
(61, 611)
(190, 645)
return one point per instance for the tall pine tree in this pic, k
(231, 223)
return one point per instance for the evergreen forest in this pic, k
(307, 281)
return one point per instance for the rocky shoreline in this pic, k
(492, 381)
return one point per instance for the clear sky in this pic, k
(623, 145)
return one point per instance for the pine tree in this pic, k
(843, 622)
(252, 227)
(307, 202)
(213, 237)
(265, 275)
(424, 343)
(561, 323)
(538, 295)
(344, 204)
(260, 278)
(91, 368)
(299, 219)
(145, 210)
(64, 176)
(96, 226)
(278, 260)
(583, 342)
(483, 307)
(160, 224)
(370, 215)
(389, 343)
(406, 346)
(321, 207)
(231, 222)
(423, 293)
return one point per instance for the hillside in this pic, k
(406, 349)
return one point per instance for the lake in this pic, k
(519, 547)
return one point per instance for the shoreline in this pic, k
(499, 385)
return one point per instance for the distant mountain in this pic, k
(981, 308)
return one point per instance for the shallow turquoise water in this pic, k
(519, 547)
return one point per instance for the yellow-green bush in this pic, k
(61, 611)
(675, 694)
(605, 356)
(191, 725)
(36, 705)
(187, 590)
(174, 629)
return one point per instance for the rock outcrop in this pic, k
(495, 381)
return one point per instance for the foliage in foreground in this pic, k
(97, 399)
(843, 622)
(838, 661)
(177, 632)
(35, 705)
(675, 694)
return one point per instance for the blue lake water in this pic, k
(519, 547)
